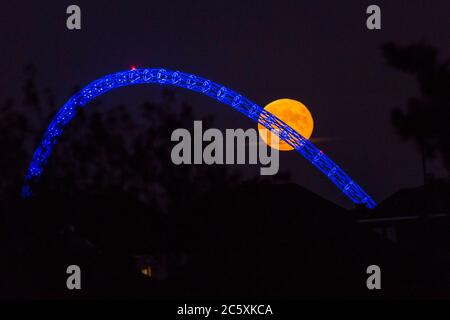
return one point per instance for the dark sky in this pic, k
(318, 52)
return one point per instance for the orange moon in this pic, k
(293, 113)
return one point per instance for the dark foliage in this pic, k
(427, 117)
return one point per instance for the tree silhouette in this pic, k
(427, 119)
(120, 150)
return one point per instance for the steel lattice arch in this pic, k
(204, 86)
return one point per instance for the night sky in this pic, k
(318, 52)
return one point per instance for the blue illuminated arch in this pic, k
(206, 87)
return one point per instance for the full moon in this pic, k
(293, 113)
